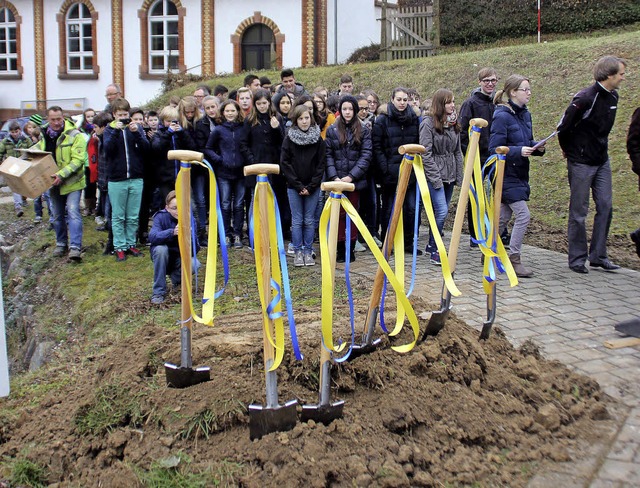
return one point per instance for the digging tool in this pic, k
(273, 417)
(439, 317)
(325, 411)
(495, 235)
(368, 343)
(185, 375)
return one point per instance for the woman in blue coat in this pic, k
(512, 127)
(349, 151)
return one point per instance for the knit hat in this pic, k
(354, 103)
(36, 119)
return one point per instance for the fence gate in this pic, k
(409, 32)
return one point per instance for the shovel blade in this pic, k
(436, 323)
(629, 327)
(265, 420)
(178, 377)
(364, 348)
(323, 413)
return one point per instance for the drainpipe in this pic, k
(335, 31)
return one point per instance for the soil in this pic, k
(454, 411)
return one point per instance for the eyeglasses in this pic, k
(526, 90)
(360, 109)
(490, 81)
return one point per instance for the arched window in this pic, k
(163, 37)
(8, 43)
(79, 39)
(258, 48)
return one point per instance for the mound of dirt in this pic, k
(453, 410)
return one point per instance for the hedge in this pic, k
(476, 21)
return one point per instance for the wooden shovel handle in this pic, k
(337, 186)
(261, 169)
(184, 155)
(479, 123)
(412, 149)
(502, 150)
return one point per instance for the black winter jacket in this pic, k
(124, 152)
(512, 127)
(223, 150)
(351, 159)
(633, 143)
(161, 232)
(390, 131)
(163, 142)
(583, 132)
(262, 143)
(477, 105)
(303, 165)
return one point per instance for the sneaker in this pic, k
(227, 241)
(102, 228)
(99, 220)
(121, 256)
(59, 251)
(19, 212)
(136, 253)
(435, 259)
(359, 247)
(237, 242)
(377, 241)
(75, 254)
(290, 249)
(298, 259)
(157, 299)
(309, 260)
(37, 219)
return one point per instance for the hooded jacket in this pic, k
(443, 159)
(124, 152)
(223, 149)
(390, 131)
(164, 141)
(478, 105)
(69, 150)
(512, 127)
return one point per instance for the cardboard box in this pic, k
(29, 175)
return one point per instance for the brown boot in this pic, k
(519, 268)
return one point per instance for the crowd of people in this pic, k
(117, 158)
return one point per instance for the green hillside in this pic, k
(556, 69)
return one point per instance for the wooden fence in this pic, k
(409, 32)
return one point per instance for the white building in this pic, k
(68, 49)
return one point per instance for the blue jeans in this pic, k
(37, 205)
(165, 262)
(69, 225)
(303, 219)
(198, 188)
(232, 204)
(440, 199)
(125, 197)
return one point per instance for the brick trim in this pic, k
(38, 38)
(63, 71)
(236, 39)
(208, 9)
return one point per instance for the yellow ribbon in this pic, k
(486, 228)
(327, 282)
(266, 296)
(442, 250)
(184, 235)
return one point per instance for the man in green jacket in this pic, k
(67, 145)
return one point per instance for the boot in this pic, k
(352, 249)
(340, 252)
(519, 268)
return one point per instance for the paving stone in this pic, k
(620, 471)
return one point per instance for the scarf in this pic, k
(302, 138)
(53, 134)
(402, 117)
(451, 119)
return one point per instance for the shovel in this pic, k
(185, 375)
(271, 417)
(497, 199)
(439, 317)
(368, 343)
(325, 411)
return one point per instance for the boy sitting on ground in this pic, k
(165, 251)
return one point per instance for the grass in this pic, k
(213, 419)
(24, 472)
(557, 70)
(113, 406)
(177, 472)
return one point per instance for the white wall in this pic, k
(287, 15)
(357, 26)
